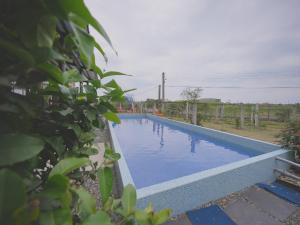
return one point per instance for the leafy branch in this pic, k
(49, 108)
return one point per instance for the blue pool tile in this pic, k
(282, 191)
(162, 151)
(212, 215)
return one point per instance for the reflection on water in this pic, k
(158, 129)
(156, 151)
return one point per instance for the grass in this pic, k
(267, 131)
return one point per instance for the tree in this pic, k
(191, 94)
(47, 123)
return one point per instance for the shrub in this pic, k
(290, 137)
(50, 105)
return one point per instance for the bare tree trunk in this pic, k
(187, 111)
(194, 116)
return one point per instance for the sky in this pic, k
(253, 46)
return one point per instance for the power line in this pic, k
(145, 90)
(234, 87)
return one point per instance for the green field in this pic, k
(267, 131)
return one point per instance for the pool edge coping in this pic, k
(123, 167)
(194, 177)
(211, 129)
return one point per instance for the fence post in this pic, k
(163, 107)
(187, 111)
(269, 107)
(222, 111)
(217, 112)
(252, 115)
(154, 108)
(242, 118)
(194, 116)
(256, 119)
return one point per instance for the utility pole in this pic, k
(163, 92)
(159, 89)
(163, 86)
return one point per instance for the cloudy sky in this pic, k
(251, 45)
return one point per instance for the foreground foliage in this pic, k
(290, 137)
(52, 98)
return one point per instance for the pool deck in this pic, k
(252, 206)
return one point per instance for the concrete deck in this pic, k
(254, 206)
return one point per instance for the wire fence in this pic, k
(248, 114)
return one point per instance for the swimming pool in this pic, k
(179, 165)
(156, 151)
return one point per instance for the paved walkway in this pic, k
(255, 206)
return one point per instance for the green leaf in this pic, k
(91, 114)
(60, 216)
(66, 111)
(85, 44)
(71, 76)
(17, 51)
(16, 148)
(128, 199)
(67, 165)
(162, 216)
(53, 71)
(99, 218)
(87, 203)
(105, 176)
(89, 151)
(76, 128)
(12, 194)
(46, 31)
(79, 8)
(96, 83)
(97, 70)
(141, 217)
(101, 51)
(111, 155)
(57, 55)
(112, 117)
(130, 222)
(86, 137)
(149, 208)
(113, 73)
(89, 89)
(112, 84)
(64, 90)
(56, 186)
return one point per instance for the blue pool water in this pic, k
(156, 151)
